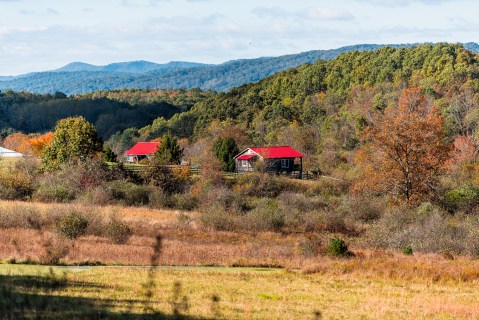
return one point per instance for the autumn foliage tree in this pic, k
(18, 142)
(38, 144)
(406, 150)
(73, 139)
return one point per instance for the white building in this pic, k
(9, 153)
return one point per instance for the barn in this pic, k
(276, 159)
(140, 151)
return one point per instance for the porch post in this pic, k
(301, 168)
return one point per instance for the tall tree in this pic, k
(406, 150)
(73, 138)
(169, 151)
(225, 149)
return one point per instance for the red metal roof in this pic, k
(246, 157)
(143, 149)
(277, 152)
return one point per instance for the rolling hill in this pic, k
(80, 77)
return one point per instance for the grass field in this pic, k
(374, 284)
(7, 163)
(231, 293)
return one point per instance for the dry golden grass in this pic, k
(190, 246)
(243, 293)
(371, 285)
(7, 164)
(166, 217)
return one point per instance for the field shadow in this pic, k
(45, 297)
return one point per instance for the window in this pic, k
(284, 163)
(244, 163)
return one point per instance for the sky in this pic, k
(48, 34)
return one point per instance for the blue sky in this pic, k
(43, 35)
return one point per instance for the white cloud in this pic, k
(318, 14)
(403, 3)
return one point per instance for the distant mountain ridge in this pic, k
(79, 77)
(140, 66)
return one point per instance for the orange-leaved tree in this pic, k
(38, 144)
(405, 151)
(18, 142)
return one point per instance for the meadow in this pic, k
(200, 274)
(229, 293)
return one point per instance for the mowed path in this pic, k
(249, 293)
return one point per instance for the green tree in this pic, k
(169, 151)
(108, 154)
(225, 149)
(73, 139)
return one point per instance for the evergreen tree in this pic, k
(225, 149)
(169, 151)
(108, 154)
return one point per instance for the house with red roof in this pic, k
(276, 159)
(140, 151)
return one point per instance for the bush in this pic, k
(54, 250)
(54, 192)
(337, 247)
(183, 201)
(117, 231)
(366, 209)
(309, 246)
(407, 250)
(217, 218)
(15, 186)
(129, 193)
(462, 198)
(158, 199)
(100, 196)
(259, 185)
(72, 225)
(162, 176)
(20, 217)
(71, 181)
(268, 215)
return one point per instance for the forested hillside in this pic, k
(322, 109)
(82, 78)
(110, 111)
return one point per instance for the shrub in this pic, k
(72, 225)
(15, 186)
(335, 221)
(54, 250)
(462, 198)
(162, 176)
(184, 220)
(71, 181)
(310, 245)
(217, 218)
(407, 250)
(54, 192)
(117, 231)
(259, 185)
(337, 247)
(158, 199)
(20, 217)
(366, 209)
(268, 215)
(129, 193)
(183, 201)
(100, 196)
